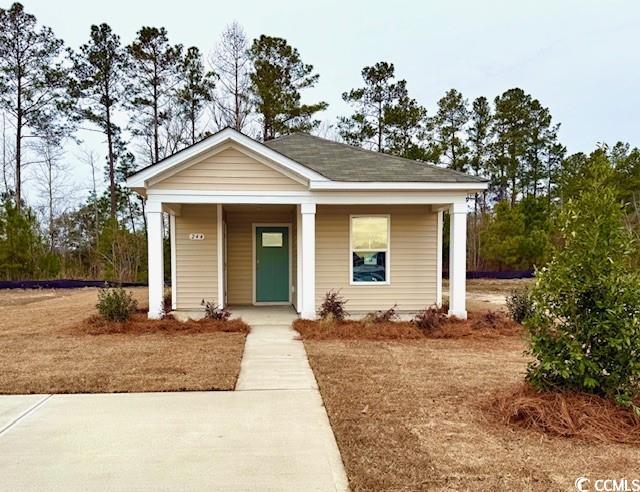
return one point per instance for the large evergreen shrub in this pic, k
(585, 328)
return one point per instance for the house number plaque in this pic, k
(196, 236)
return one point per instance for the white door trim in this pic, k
(255, 225)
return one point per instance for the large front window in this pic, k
(370, 249)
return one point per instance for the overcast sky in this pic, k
(580, 58)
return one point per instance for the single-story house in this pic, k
(285, 221)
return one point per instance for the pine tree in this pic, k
(278, 76)
(33, 82)
(99, 71)
(385, 118)
(195, 89)
(449, 125)
(153, 73)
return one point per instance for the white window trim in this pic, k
(387, 251)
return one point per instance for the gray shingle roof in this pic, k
(341, 162)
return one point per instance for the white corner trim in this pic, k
(230, 135)
(220, 254)
(404, 185)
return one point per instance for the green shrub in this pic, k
(213, 311)
(585, 327)
(333, 306)
(116, 304)
(520, 304)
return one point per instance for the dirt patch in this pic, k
(45, 349)
(499, 286)
(406, 417)
(478, 325)
(490, 294)
(567, 414)
(139, 324)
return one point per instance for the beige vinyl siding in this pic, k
(229, 169)
(196, 261)
(240, 220)
(412, 257)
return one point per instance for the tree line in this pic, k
(151, 97)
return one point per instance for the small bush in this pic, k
(116, 304)
(585, 329)
(430, 318)
(390, 314)
(333, 305)
(213, 311)
(520, 304)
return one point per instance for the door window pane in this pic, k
(272, 240)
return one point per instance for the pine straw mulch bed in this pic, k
(139, 324)
(409, 415)
(493, 324)
(53, 348)
(566, 414)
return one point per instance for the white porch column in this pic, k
(439, 232)
(220, 254)
(155, 260)
(174, 272)
(298, 260)
(308, 267)
(458, 260)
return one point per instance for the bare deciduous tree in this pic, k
(232, 64)
(52, 180)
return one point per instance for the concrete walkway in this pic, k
(271, 434)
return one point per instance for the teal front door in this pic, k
(272, 264)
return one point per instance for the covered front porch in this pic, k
(290, 254)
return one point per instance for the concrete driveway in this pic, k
(271, 434)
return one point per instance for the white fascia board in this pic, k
(401, 185)
(140, 179)
(399, 197)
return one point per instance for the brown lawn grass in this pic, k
(48, 346)
(409, 415)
